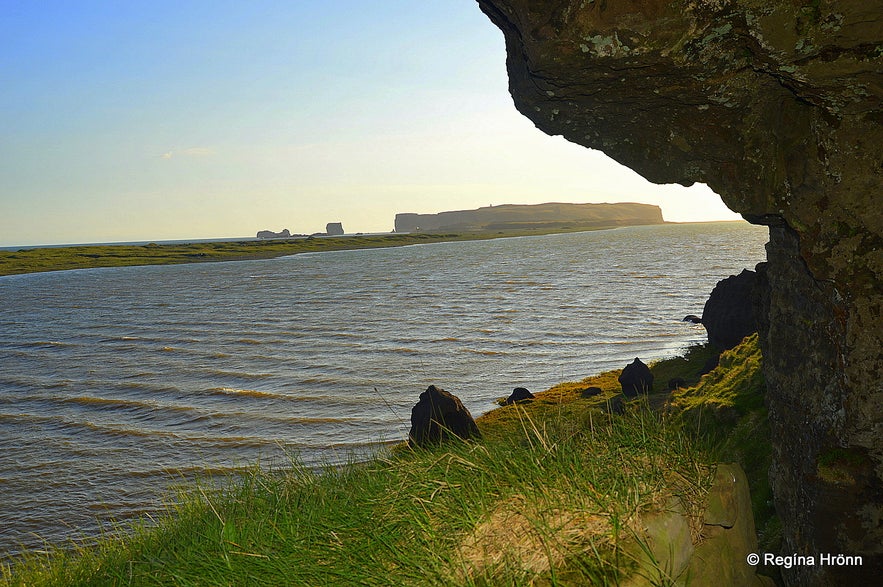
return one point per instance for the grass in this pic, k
(726, 409)
(552, 495)
(33, 260)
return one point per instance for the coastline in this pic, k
(62, 258)
(576, 481)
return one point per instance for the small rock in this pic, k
(591, 391)
(519, 394)
(635, 379)
(439, 416)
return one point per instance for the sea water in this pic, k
(117, 383)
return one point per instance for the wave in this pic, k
(47, 344)
(401, 350)
(235, 392)
(485, 352)
(237, 374)
(209, 396)
(104, 402)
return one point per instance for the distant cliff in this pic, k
(513, 216)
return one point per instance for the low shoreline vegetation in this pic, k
(551, 495)
(34, 260)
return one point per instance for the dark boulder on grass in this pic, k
(636, 378)
(591, 392)
(729, 314)
(519, 394)
(438, 417)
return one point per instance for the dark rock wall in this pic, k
(730, 313)
(776, 105)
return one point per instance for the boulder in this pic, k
(439, 416)
(519, 394)
(591, 392)
(636, 378)
(665, 553)
(729, 314)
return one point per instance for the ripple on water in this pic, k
(144, 377)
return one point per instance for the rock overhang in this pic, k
(778, 107)
(723, 93)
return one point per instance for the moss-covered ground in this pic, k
(549, 496)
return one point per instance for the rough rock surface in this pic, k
(776, 105)
(729, 314)
(666, 554)
(636, 379)
(438, 416)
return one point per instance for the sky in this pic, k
(141, 121)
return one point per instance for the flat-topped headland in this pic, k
(550, 216)
(503, 221)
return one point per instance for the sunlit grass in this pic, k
(446, 517)
(552, 495)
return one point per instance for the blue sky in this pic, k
(166, 120)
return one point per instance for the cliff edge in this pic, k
(542, 216)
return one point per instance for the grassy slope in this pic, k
(548, 497)
(60, 258)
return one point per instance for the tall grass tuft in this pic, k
(546, 502)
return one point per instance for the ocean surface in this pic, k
(118, 383)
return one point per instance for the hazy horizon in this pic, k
(177, 121)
